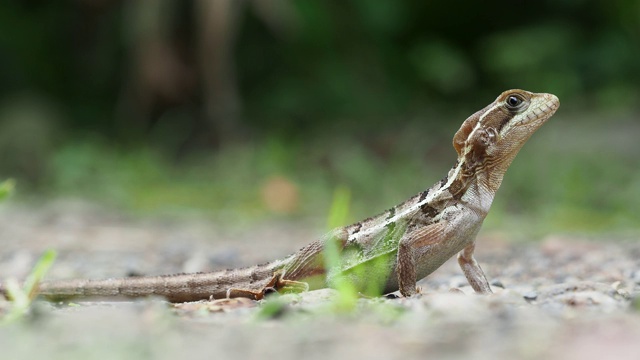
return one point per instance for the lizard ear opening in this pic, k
(461, 136)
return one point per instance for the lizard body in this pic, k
(387, 252)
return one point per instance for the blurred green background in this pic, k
(253, 110)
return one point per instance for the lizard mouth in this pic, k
(546, 108)
(539, 112)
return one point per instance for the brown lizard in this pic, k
(390, 251)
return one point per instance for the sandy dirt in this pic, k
(563, 297)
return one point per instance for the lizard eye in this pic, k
(514, 102)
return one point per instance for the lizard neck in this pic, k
(472, 184)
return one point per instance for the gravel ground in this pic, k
(562, 297)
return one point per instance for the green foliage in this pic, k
(536, 66)
(347, 293)
(22, 297)
(635, 303)
(229, 184)
(6, 188)
(339, 212)
(443, 65)
(315, 63)
(272, 308)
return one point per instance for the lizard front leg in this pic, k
(472, 270)
(408, 247)
(406, 269)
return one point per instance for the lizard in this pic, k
(392, 250)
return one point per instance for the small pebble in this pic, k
(530, 295)
(497, 283)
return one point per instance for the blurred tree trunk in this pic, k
(218, 26)
(218, 23)
(158, 78)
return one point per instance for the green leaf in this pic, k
(272, 308)
(39, 271)
(348, 294)
(6, 188)
(23, 297)
(339, 212)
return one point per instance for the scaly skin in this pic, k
(380, 254)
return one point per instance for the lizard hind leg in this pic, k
(276, 285)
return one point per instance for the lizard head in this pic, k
(492, 137)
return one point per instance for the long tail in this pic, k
(174, 288)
